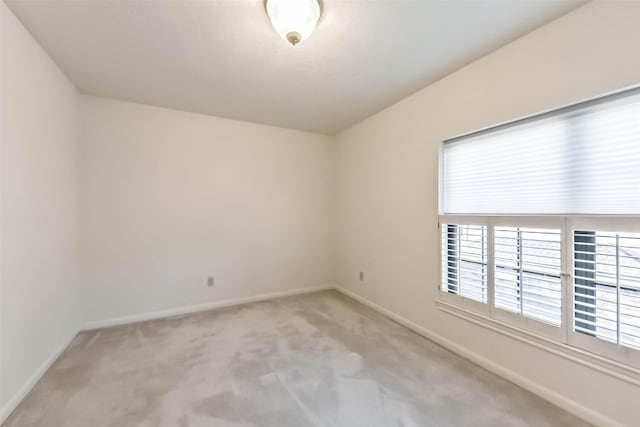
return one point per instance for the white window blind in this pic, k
(607, 286)
(464, 260)
(583, 159)
(527, 272)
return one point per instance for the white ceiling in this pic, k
(223, 57)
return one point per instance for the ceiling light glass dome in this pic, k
(294, 20)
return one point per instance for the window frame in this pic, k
(563, 334)
(620, 361)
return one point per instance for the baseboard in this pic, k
(547, 394)
(557, 399)
(199, 307)
(13, 403)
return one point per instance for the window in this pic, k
(578, 160)
(554, 245)
(607, 286)
(527, 273)
(465, 260)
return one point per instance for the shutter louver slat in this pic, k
(607, 286)
(464, 261)
(527, 271)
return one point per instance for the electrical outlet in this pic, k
(362, 276)
(211, 281)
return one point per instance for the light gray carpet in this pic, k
(315, 360)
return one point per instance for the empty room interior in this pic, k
(325, 213)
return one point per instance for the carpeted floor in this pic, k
(314, 360)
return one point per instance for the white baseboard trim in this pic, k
(547, 394)
(15, 400)
(557, 399)
(135, 318)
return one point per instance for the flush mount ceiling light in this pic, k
(294, 20)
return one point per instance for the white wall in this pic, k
(38, 120)
(387, 178)
(169, 198)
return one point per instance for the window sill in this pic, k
(605, 365)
